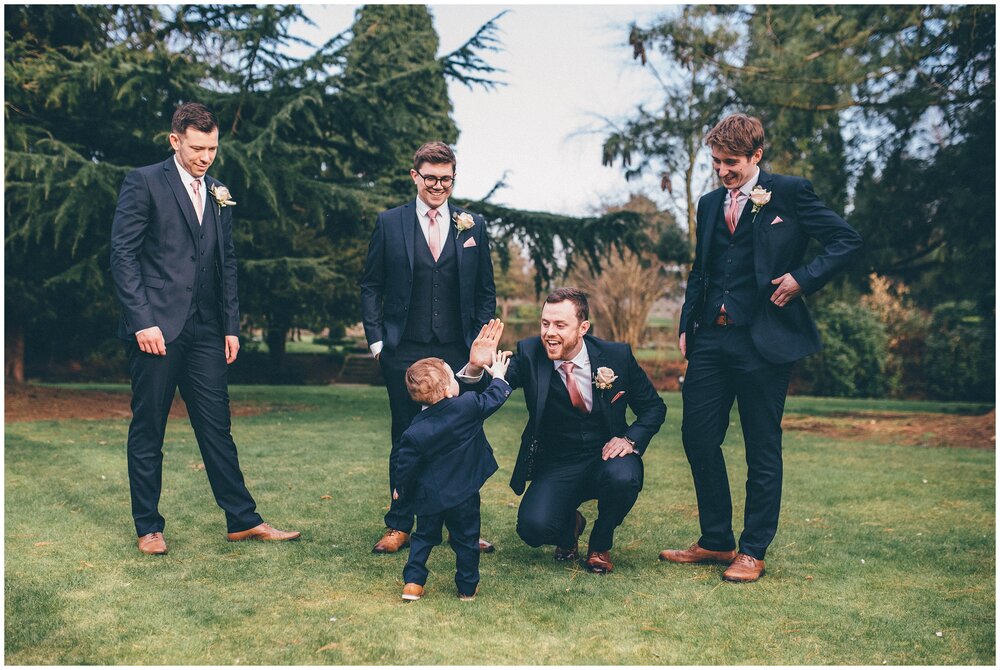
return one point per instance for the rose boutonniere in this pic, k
(759, 196)
(223, 198)
(463, 221)
(604, 378)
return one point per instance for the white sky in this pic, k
(565, 67)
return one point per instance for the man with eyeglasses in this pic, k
(426, 290)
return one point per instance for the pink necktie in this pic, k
(733, 212)
(433, 238)
(198, 207)
(575, 396)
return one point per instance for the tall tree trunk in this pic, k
(275, 339)
(14, 353)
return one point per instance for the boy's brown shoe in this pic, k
(412, 591)
(265, 532)
(391, 542)
(697, 554)
(744, 569)
(465, 597)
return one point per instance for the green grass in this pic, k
(880, 548)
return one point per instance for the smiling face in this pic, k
(734, 170)
(562, 331)
(195, 149)
(435, 195)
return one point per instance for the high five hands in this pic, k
(501, 360)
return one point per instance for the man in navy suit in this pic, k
(426, 289)
(174, 271)
(743, 324)
(444, 459)
(577, 445)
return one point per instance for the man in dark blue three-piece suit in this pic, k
(174, 271)
(743, 324)
(577, 444)
(426, 290)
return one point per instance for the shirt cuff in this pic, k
(468, 379)
(376, 349)
(145, 329)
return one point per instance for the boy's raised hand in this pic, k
(501, 361)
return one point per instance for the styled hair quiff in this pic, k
(575, 296)
(427, 380)
(437, 153)
(193, 114)
(737, 134)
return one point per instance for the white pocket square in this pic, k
(777, 219)
(469, 243)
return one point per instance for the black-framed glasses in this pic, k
(431, 181)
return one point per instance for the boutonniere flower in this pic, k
(223, 198)
(463, 221)
(759, 196)
(604, 378)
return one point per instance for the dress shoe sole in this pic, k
(466, 599)
(154, 553)
(378, 550)
(743, 581)
(261, 539)
(597, 571)
(409, 597)
(487, 550)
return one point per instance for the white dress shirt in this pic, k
(744, 194)
(443, 226)
(186, 179)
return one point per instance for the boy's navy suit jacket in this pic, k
(443, 456)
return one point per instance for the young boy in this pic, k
(444, 459)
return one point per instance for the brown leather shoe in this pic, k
(599, 562)
(572, 553)
(466, 597)
(486, 547)
(264, 531)
(391, 542)
(412, 591)
(697, 554)
(745, 568)
(153, 544)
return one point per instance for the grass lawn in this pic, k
(885, 555)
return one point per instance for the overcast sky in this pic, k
(566, 67)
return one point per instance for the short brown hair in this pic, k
(193, 114)
(437, 153)
(427, 380)
(737, 134)
(575, 296)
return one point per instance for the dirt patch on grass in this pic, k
(918, 429)
(24, 402)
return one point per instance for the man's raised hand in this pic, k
(485, 346)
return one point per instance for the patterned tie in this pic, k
(733, 212)
(433, 237)
(198, 207)
(575, 396)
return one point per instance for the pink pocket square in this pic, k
(469, 243)
(617, 396)
(777, 219)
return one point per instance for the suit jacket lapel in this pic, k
(409, 223)
(597, 360)
(183, 199)
(212, 217)
(543, 369)
(714, 211)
